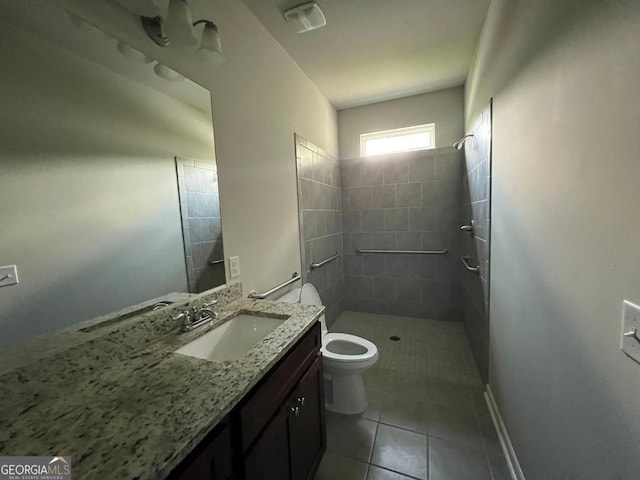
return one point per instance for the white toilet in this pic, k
(346, 358)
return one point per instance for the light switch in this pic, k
(234, 267)
(630, 337)
(8, 275)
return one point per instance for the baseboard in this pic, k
(503, 435)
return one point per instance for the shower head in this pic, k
(460, 143)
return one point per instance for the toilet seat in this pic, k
(352, 341)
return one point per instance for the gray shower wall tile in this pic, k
(408, 240)
(396, 219)
(194, 179)
(385, 288)
(352, 221)
(353, 265)
(372, 220)
(476, 185)
(422, 169)
(353, 241)
(443, 192)
(396, 170)
(321, 222)
(400, 219)
(362, 287)
(371, 174)
(449, 218)
(442, 292)
(450, 166)
(204, 229)
(373, 265)
(410, 290)
(397, 266)
(384, 240)
(350, 173)
(422, 219)
(360, 198)
(383, 196)
(423, 267)
(409, 195)
(436, 240)
(305, 161)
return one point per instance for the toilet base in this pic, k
(345, 394)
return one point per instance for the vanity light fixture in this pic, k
(178, 29)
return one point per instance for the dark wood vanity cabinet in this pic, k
(211, 459)
(292, 443)
(282, 422)
(277, 432)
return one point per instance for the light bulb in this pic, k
(210, 50)
(179, 24)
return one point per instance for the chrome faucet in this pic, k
(197, 317)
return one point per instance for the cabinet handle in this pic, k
(301, 401)
(295, 411)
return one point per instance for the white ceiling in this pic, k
(375, 50)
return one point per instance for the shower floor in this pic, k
(427, 418)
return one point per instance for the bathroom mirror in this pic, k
(108, 190)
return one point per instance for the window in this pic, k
(406, 139)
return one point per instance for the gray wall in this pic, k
(409, 201)
(89, 209)
(564, 246)
(476, 187)
(320, 223)
(445, 108)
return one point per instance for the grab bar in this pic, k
(324, 262)
(216, 262)
(403, 252)
(260, 296)
(465, 262)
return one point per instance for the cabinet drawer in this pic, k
(267, 396)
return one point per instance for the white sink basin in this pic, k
(232, 339)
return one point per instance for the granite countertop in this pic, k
(122, 404)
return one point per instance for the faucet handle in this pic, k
(210, 304)
(185, 316)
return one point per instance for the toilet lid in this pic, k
(347, 348)
(309, 295)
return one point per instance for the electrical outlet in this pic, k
(234, 267)
(630, 336)
(8, 275)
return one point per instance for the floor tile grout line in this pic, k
(373, 444)
(398, 472)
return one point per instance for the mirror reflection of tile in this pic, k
(201, 223)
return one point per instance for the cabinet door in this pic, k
(307, 440)
(211, 460)
(268, 459)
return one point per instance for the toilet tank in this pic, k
(290, 297)
(294, 297)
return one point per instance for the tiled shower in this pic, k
(320, 223)
(413, 201)
(477, 206)
(403, 202)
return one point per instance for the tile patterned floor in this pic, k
(427, 418)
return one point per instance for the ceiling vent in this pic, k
(305, 17)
